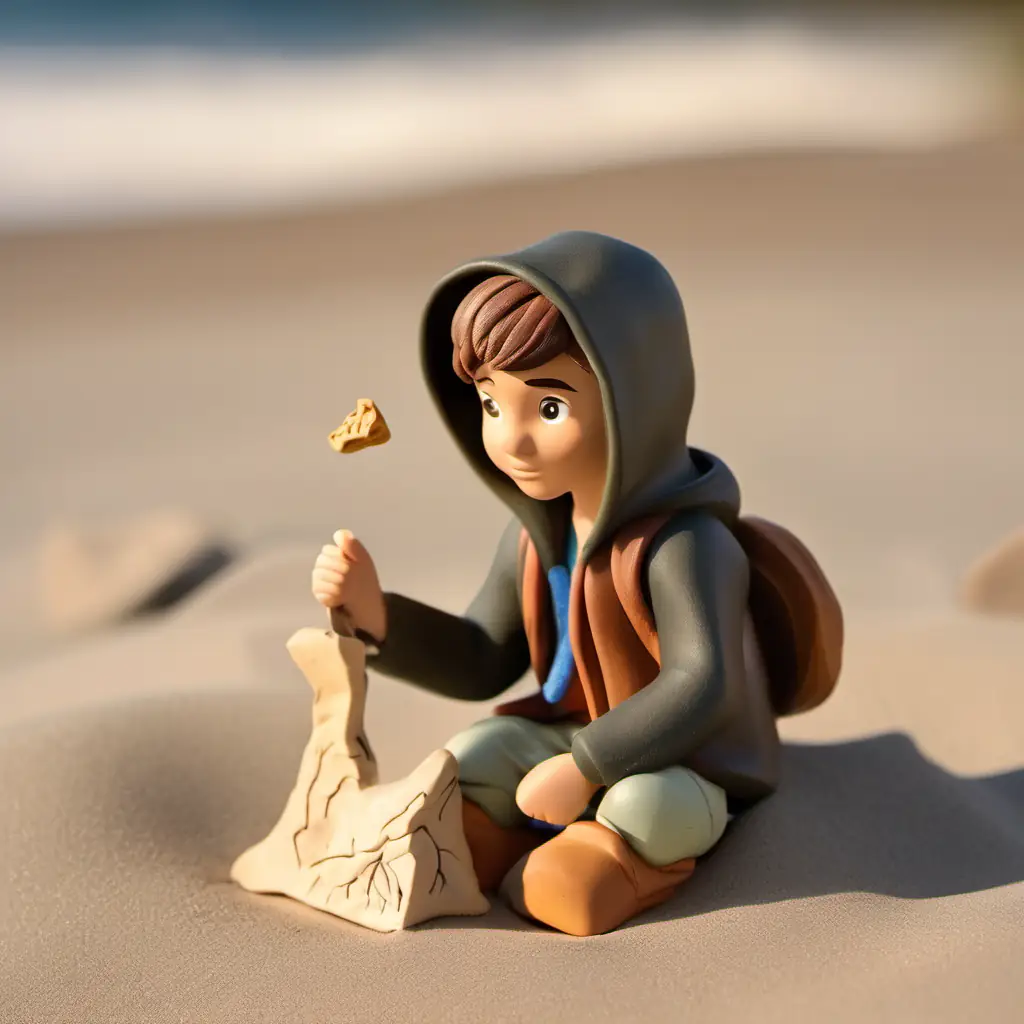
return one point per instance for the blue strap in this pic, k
(557, 683)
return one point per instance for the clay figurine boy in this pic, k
(621, 579)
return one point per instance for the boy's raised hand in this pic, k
(344, 576)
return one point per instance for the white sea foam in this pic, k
(101, 135)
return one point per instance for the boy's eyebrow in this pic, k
(550, 382)
(481, 380)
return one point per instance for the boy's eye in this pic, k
(553, 410)
(490, 406)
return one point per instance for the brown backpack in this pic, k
(795, 612)
(797, 616)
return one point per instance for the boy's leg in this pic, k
(666, 816)
(496, 753)
(493, 757)
(597, 874)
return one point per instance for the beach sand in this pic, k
(856, 325)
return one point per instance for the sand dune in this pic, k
(845, 894)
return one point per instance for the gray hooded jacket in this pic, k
(701, 710)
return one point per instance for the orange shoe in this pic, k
(494, 848)
(588, 880)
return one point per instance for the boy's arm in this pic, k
(475, 656)
(698, 578)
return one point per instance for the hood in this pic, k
(626, 314)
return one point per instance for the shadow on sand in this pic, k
(202, 777)
(873, 816)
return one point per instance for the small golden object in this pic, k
(362, 428)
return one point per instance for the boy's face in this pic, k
(544, 428)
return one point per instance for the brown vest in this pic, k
(795, 616)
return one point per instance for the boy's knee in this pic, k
(666, 816)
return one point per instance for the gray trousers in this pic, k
(664, 816)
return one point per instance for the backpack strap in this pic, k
(534, 602)
(629, 549)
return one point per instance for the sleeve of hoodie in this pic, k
(475, 656)
(697, 576)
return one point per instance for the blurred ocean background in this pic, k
(116, 111)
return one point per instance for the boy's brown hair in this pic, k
(507, 324)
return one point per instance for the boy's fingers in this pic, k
(353, 550)
(346, 549)
(332, 580)
(332, 565)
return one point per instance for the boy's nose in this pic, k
(520, 444)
